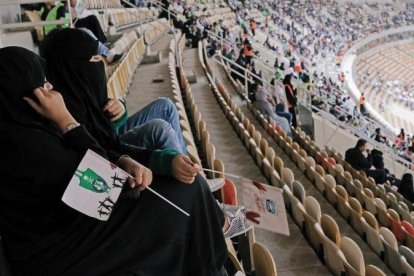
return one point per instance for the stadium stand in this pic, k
(341, 221)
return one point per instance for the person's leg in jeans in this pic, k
(92, 23)
(292, 111)
(102, 49)
(162, 108)
(155, 134)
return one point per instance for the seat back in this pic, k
(288, 176)
(407, 260)
(354, 259)
(395, 224)
(355, 211)
(298, 191)
(370, 225)
(372, 270)
(392, 256)
(330, 228)
(278, 163)
(331, 252)
(229, 193)
(264, 263)
(313, 208)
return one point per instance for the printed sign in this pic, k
(95, 187)
(265, 207)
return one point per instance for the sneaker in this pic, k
(113, 59)
(215, 184)
(236, 216)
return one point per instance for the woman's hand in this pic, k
(142, 176)
(51, 106)
(115, 109)
(184, 170)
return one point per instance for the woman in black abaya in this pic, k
(43, 236)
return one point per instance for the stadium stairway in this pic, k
(292, 254)
(345, 229)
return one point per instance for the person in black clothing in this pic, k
(406, 188)
(291, 98)
(355, 157)
(43, 236)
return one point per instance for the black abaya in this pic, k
(43, 236)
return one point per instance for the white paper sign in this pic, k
(95, 187)
(265, 207)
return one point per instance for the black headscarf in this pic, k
(82, 84)
(18, 80)
(35, 162)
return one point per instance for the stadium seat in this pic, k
(353, 259)
(382, 212)
(287, 176)
(330, 190)
(264, 264)
(369, 201)
(328, 232)
(319, 174)
(229, 193)
(371, 270)
(407, 260)
(395, 224)
(312, 215)
(358, 190)
(342, 201)
(355, 211)
(408, 231)
(310, 168)
(371, 229)
(391, 255)
(298, 191)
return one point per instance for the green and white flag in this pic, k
(95, 187)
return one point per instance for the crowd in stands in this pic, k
(60, 101)
(305, 37)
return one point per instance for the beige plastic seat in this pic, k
(369, 201)
(372, 270)
(328, 232)
(298, 191)
(310, 168)
(371, 228)
(312, 215)
(330, 192)
(405, 213)
(319, 175)
(407, 260)
(301, 160)
(382, 212)
(278, 163)
(287, 176)
(355, 211)
(331, 252)
(358, 188)
(353, 259)
(342, 201)
(264, 264)
(391, 255)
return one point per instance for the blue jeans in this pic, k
(286, 115)
(102, 49)
(156, 126)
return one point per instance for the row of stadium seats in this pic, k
(263, 262)
(128, 16)
(349, 207)
(102, 4)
